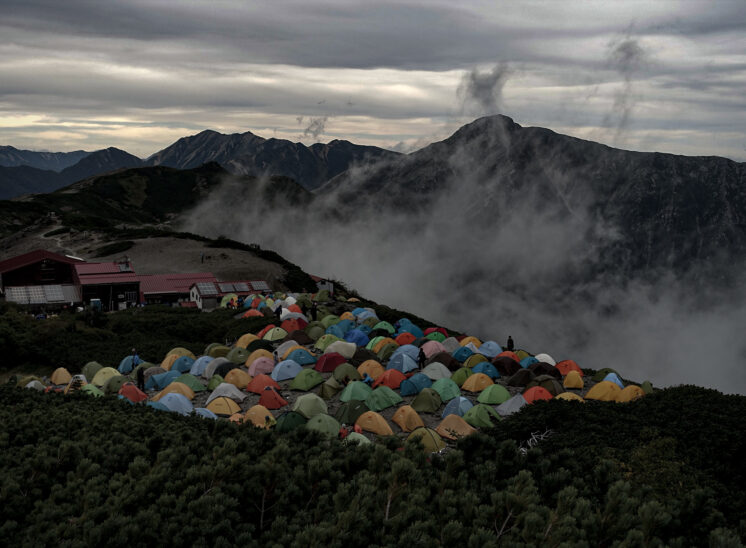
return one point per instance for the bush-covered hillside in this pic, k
(663, 470)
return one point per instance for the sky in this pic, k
(84, 74)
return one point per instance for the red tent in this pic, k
(436, 329)
(536, 393)
(405, 338)
(391, 378)
(565, 366)
(271, 399)
(132, 392)
(264, 331)
(294, 324)
(329, 362)
(260, 382)
(252, 313)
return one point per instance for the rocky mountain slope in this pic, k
(54, 161)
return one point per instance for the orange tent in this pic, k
(252, 313)
(61, 376)
(347, 315)
(259, 382)
(271, 399)
(295, 308)
(372, 368)
(476, 382)
(132, 393)
(407, 418)
(373, 422)
(565, 366)
(391, 378)
(405, 338)
(238, 418)
(260, 416)
(383, 342)
(454, 427)
(238, 378)
(223, 406)
(573, 380)
(630, 393)
(294, 324)
(509, 354)
(604, 391)
(466, 340)
(537, 393)
(168, 361)
(244, 340)
(175, 387)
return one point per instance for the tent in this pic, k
(430, 348)
(357, 337)
(199, 365)
(228, 391)
(407, 418)
(223, 406)
(349, 411)
(528, 360)
(346, 349)
(490, 349)
(511, 406)
(271, 399)
(259, 353)
(244, 340)
(370, 421)
(546, 358)
(258, 383)
(494, 395)
(391, 378)
(436, 370)
(451, 344)
(647, 387)
(372, 368)
(460, 376)
(128, 363)
(565, 366)
(630, 393)
(330, 388)
(506, 365)
(175, 388)
(161, 380)
(385, 325)
(454, 427)
(262, 365)
(214, 382)
(260, 344)
(275, 334)
(476, 382)
(310, 405)
(355, 390)
(237, 355)
(286, 348)
(325, 424)
(329, 320)
(90, 369)
(285, 370)
(427, 401)
(224, 368)
(568, 396)
(470, 340)
(382, 398)
(543, 368)
(536, 393)
(324, 341)
(260, 416)
(386, 351)
(213, 366)
(62, 376)
(475, 359)
(238, 378)
(345, 373)
(102, 376)
(176, 403)
(446, 389)
(481, 416)
(402, 363)
(306, 379)
(301, 356)
(38, 386)
(488, 369)
(521, 378)
(462, 354)
(613, 377)
(601, 374)
(430, 439)
(414, 384)
(404, 338)
(289, 421)
(604, 391)
(113, 385)
(205, 413)
(457, 406)
(91, 390)
(180, 351)
(408, 349)
(547, 382)
(182, 364)
(573, 380)
(355, 438)
(328, 362)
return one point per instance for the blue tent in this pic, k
(199, 365)
(409, 349)
(613, 377)
(402, 363)
(183, 364)
(365, 328)
(414, 384)
(357, 311)
(357, 337)
(365, 314)
(462, 354)
(345, 325)
(162, 380)
(301, 356)
(410, 328)
(490, 349)
(488, 369)
(128, 364)
(525, 362)
(157, 405)
(205, 413)
(457, 406)
(177, 403)
(336, 331)
(286, 369)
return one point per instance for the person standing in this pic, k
(421, 359)
(141, 378)
(509, 346)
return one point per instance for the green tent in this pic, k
(325, 340)
(459, 376)
(385, 325)
(349, 412)
(237, 355)
(322, 296)
(218, 351)
(309, 405)
(647, 387)
(289, 421)
(303, 299)
(382, 398)
(601, 374)
(113, 385)
(325, 424)
(447, 389)
(522, 354)
(481, 416)
(306, 379)
(91, 390)
(330, 388)
(315, 332)
(430, 439)
(330, 319)
(191, 381)
(370, 322)
(427, 401)
(215, 381)
(346, 370)
(385, 352)
(373, 342)
(436, 336)
(356, 390)
(355, 438)
(90, 369)
(494, 394)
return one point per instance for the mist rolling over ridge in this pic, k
(612, 258)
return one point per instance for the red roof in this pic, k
(172, 283)
(121, 278)
(100, 268)
(35, 256)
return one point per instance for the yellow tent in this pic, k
(61, 376)
(573, 380)
(372, 368)
(103, 375)
(473, 340)
(223, 406)
(373, 422)
(175, 388)
(383, 342)
(168, 361)
(430, 439)
(454, 427)
(604, 391)
(631, 392)
(238, 378)
(347, 315)
(476, 382)
(260, 416)
(261, 352)
(474, 359)
(181, 351)
(569, 396)
(244, 340)
(407, 418)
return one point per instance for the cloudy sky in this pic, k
(139, 74)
